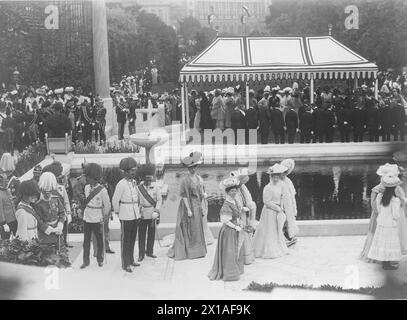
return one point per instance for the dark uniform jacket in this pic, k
(291, 120)
(358, 119)
(277, 119)
(343, 116)
(238, 119)
(386, 120)
(319, 121)
(329, 119)
(306, 122)
(252, 118)
(398, 116)
(372, 118)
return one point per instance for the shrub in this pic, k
(30, 157)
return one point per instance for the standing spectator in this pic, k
(121, 112)
(264, 116)
(319, 121)
(175, 100)
(306, 125)
(291, 121)
(398, 119)
(100, 120)
(252, 119)
(277, 122)
(386, 121)
(86, 120)
(238, 122)
(358, 122)
(132, 114)
(192, 108)
(218, 110)
(372, 122)
(206, 119)
(9, 126)
(229, 107)
(8, 222)
(329, 123)
(343, 116)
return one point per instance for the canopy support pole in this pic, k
(186, 107)
(311, 91)
(183, 109)
(247, 96)
(356, 82)
(376, 89)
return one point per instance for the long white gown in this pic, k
(269, 241)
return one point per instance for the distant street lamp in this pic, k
(330, 29)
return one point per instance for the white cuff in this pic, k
(49, 230)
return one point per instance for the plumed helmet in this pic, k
(93, 171)
(48, 182)
(128, 163)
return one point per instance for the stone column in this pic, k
(101, 62)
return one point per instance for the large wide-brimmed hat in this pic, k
(277, 169)
(193, 159)
(242, 174)
(266, 89)
(229, 183)
(389, 181)
(289, 164)
(388, 169)
(7, 162)
(48, 182)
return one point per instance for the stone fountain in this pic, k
(148, 140)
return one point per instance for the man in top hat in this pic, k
(292, 123)
(306, 125)
(358, 122)
(398, 115)
(126, 203)
(150, 204)
(175, 101)
(343, 114)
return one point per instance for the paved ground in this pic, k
(313, 261)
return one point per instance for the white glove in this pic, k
(189, 213)
(69, 218)
(59, 228)
(238, 229)
(246, 209)
(154, 215)
(6, 228)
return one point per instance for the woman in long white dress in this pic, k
(290, 205)
(386, 246)
(269, 240)
(384, 170)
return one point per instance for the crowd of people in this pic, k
(42, 208)
(288, 115)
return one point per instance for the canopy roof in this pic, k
(266, 58)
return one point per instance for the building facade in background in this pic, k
(225, 14)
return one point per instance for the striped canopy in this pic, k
(274, 58)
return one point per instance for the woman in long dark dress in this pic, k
(189, 242)
(206, 119)
(229, 257)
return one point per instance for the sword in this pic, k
(103, 239)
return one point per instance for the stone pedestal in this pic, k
(101, 59)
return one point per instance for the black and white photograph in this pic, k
(186, 151)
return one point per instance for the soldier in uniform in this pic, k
(100, 120)
(8, 223)
(78, 193)
(329, 123)
(132, 114)
(50, 211)
(87, 121)
(121, 111)
(252, 117)
(150, 204)
(238, 121)
(358, 122)
(125, 203)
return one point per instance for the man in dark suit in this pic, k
(343, 119)
(291, 121)
(238, 120)
(358, 122)
(398, 115)
(319, 124)
(372, 121)
(277, 122)
(386, 120)
(252, 120)
(329, 123)
(306, 125)
(264, 118)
